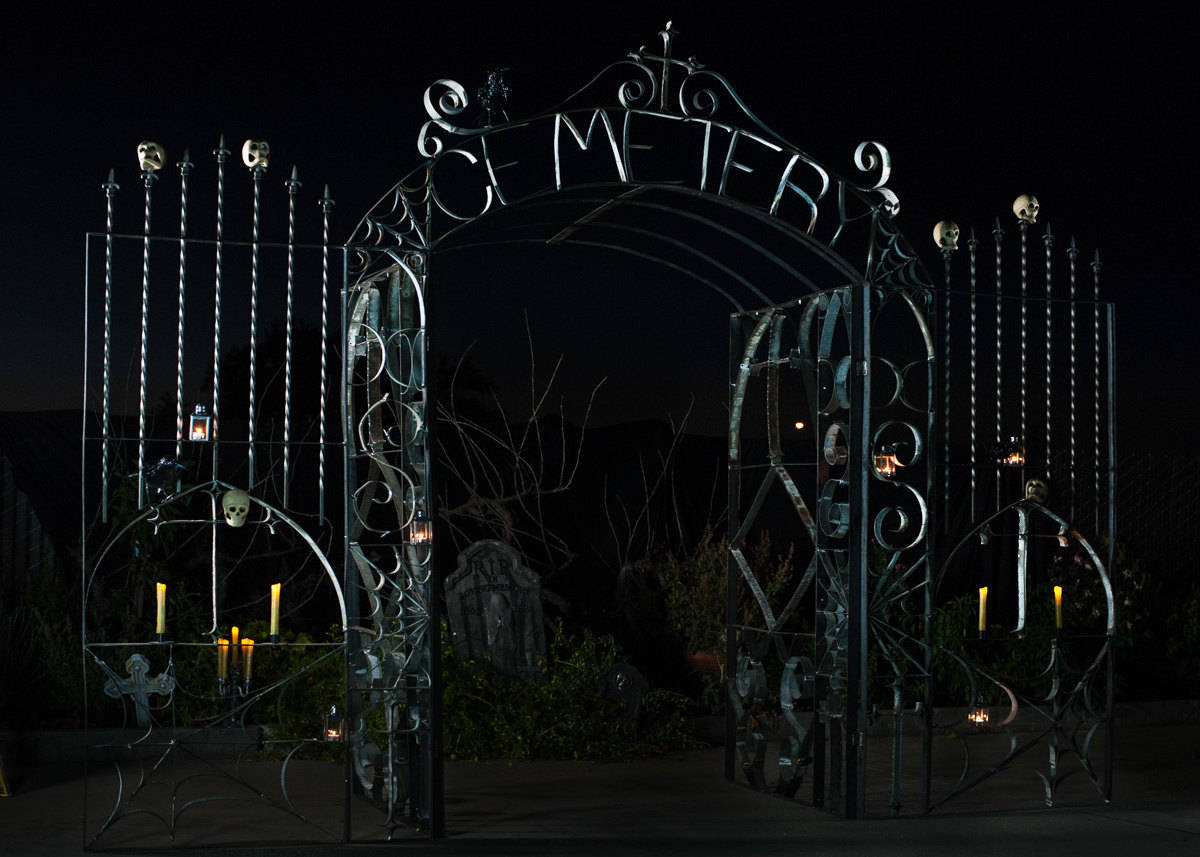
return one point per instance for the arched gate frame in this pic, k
(650, 140)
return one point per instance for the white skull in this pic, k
(1026, 208)
(890, 205)
(151, 156)
(256, 153)
(945, 234)
(1037, 491)
(236, 505)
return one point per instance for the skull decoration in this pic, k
(1026, 208)
(945, 234)
(151, 156)
(1037, 491)
(890, 205)
(236, 505)
(256, 153)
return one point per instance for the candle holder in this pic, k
(234, 670)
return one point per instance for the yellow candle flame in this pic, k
(222, 658)
(982, 608)
(1058, 607)
(275, 587)
(160, 624)
(234, 646)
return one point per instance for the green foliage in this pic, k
(694, 583)
(489, 715)
(39, 651)
(694, 591)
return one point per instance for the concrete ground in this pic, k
(675, 804)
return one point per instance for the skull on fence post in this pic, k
(1026, 208)
(946, 234)
(236, 505)
(256, 153)
(151, 156)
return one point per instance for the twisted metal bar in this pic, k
(185, 167)
(1073, 256)
(292, 184)
(257, 174)
(973, 246)
(998, 234)
(1048, 240)
(222, 154)
(148, 176)
(1024, 227)
(1096, 379)
(110, 191)
(326, 206)
(946, 252)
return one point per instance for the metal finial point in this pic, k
(110, 184)
(326, 200)
(998, 231)
(972, 241)
(221, 151)
(1073, 249)
(185, 165)
(1048, 238)
(293, 182)
(1096, 260)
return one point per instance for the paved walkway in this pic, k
(677, 804)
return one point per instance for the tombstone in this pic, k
(495, 610)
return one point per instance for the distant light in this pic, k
(799, 424)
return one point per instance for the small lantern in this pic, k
(200, 425)
(333, 725)
(887, 462)
(420, 530)
(1011, 453)
(979, 712)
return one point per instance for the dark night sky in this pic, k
(1093, 111)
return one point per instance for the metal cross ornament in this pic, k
(139, 686)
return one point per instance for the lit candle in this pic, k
(222, 658)
(160, 624)
(982, 609)
(275, 587)
(1058, 607)
(233, 646)
(247, 656)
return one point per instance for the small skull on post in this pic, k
(256, 154)
(1026, 208)
(235, 504)
(151, 156)
(1037, 491)
(945, 234)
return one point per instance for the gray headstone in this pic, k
(495, 610)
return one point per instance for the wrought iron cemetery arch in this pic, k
(813, 232)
